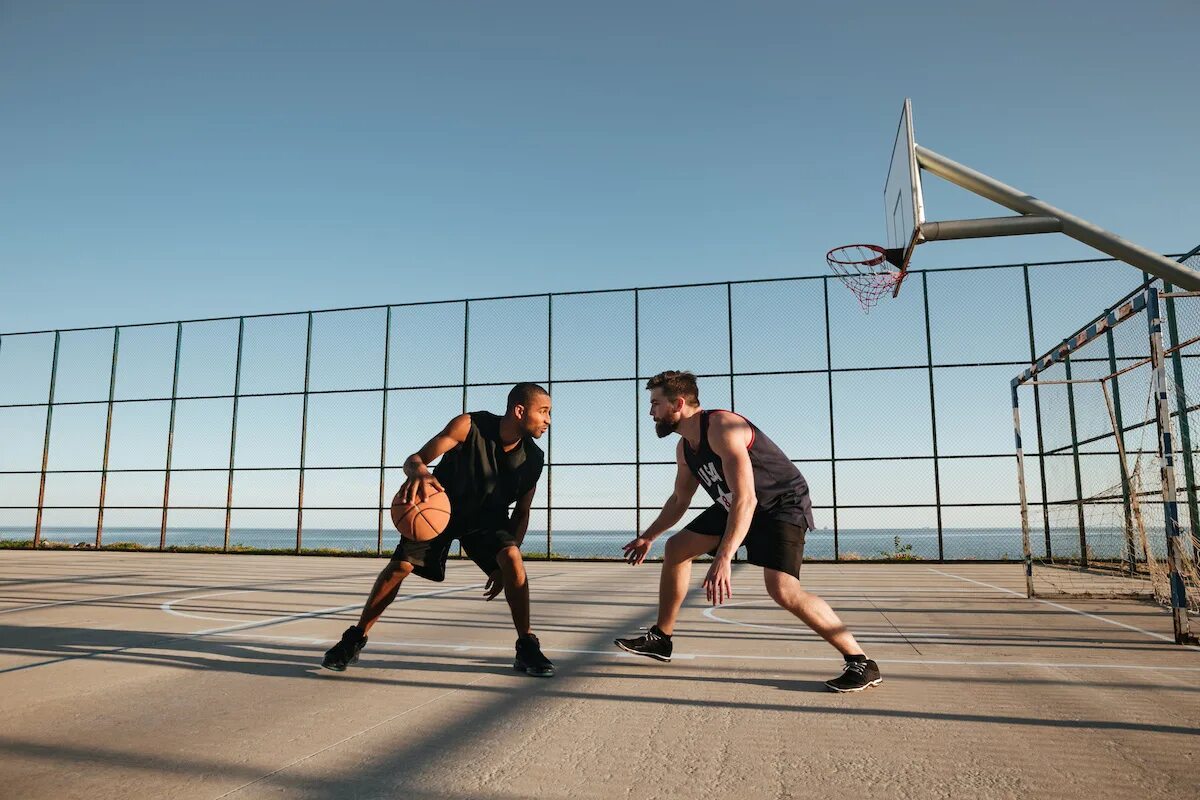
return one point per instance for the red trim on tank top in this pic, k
(727, 411)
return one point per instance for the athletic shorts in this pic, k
(481, 540)
(772, 542)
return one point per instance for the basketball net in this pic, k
(866, 271)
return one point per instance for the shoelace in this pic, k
(857, 667)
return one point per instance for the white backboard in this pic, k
(904, 209)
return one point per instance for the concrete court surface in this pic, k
(196, 676)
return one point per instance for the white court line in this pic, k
(462, 648)
(1097, 617)
(711, 613)
(87, 600)
(167, 606)
(261, 623)
(98, 598)
(321, 611)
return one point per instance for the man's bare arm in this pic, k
(519, 523)
(418, 480)
(730, 436)
(672, 510)
(677, 504)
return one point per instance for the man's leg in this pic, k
(859, 672)
(529, 658)
(345, 652)
(682, 548)
(814, 612)
(383, 593)
(516, 587)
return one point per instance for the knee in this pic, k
(675, 552)
(781, 591)
(397, 571)
(511, 563)
(776, 592)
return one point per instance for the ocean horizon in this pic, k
(989, 544)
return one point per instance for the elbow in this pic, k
(746, 503)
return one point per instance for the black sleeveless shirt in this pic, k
(483, 480)
(781, 490)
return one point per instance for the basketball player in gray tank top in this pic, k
(761, 501)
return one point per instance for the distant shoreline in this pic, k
(853, 543)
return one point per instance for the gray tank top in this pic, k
(781, 490)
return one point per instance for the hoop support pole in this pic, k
(1072, 226)
(990, 227)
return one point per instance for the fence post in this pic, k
(550, 432)
(303, 436)
(832, 440)
(237, 390)
(112, 389)
(729, 309)
(37, 526)
(162, 534)
(1037, 412)
(637, 413)
(732, 401)
(937, 482)
(466, 351)
(387, 350)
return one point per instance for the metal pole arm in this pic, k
(1072, 226)
(989, 227)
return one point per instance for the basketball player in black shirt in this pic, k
(488, 463)
(760, 500)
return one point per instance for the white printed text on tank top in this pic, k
(709, 476)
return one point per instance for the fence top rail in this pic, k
(577, 292)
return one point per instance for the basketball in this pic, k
(421, 520)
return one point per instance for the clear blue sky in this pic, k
(169, 160)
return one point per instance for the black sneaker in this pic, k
(654, 644)
(345, 652)
(856, 676)
(530, 660)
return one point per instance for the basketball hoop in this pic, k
(868, 270)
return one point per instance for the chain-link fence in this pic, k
(287, 431)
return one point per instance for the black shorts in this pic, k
(772, 543)
(481, 540)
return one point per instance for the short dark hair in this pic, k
(675, 384)
(523, 394)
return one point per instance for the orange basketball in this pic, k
(421, 520)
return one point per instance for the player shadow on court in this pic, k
(720, 675)
(262, 658)
(101, 579)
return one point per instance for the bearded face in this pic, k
(665, 427)
(664, 413)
